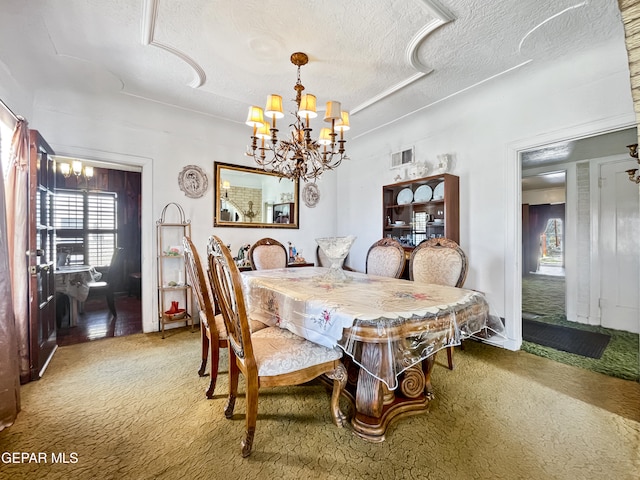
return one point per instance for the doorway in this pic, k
(580, 242)
(95, 214)
(543, 244)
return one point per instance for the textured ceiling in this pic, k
(381, 59)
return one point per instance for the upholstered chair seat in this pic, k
(279, 351)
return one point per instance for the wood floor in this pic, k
(97, 322)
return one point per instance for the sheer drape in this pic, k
(17, 229)
(9, 364)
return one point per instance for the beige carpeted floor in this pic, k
(134, 408)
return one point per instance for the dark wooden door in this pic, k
(42, 307)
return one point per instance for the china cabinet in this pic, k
(174, 293)
(422, 208)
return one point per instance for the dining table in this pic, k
(73, 281)
(389, 330)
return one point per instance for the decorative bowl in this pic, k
(177, 315)
(336, 249)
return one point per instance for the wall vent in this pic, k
(402, 158)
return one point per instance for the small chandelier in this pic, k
(298, 156)
(76, 169)
(633, 172)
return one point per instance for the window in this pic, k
(86, 226)
(551, 243)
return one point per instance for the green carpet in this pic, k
(544, 295)
(134, 408)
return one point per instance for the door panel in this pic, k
(619, 247)
(42, 308)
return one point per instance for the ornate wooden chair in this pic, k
(212, 329)
(440, 261)
(268, 253)
(267, 358)
(385, 258)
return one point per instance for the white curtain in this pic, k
(17, 192)
(9, 357)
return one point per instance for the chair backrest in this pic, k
(116, 268)
(268, 253)
(199, 282)
(385, 258)
(440, 261)
(225, 278)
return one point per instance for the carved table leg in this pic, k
(427, 368)
(376, 405)
(369, 394)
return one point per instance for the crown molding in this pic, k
(440, 17)
(149, 18)
(562, 12)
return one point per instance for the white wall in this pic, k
(483, 129)
(543, 195)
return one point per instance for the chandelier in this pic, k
(297, 156)
(77, 169)
(633, 173)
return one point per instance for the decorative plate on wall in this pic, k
(193, 181)
(311, 195)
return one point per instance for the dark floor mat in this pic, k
(572, 340)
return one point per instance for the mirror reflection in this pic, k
(250, 197)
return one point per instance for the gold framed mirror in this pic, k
(252, 198)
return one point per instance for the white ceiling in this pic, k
(382, 59)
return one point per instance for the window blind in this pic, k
(86, 226)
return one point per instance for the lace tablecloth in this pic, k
(413, 320)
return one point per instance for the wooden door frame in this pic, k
(40, 353)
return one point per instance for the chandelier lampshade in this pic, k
(343, 124)
(76, 166)
(256, 117)
(325, 136)
(297, 156)
(307, 108)
(274, 107)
